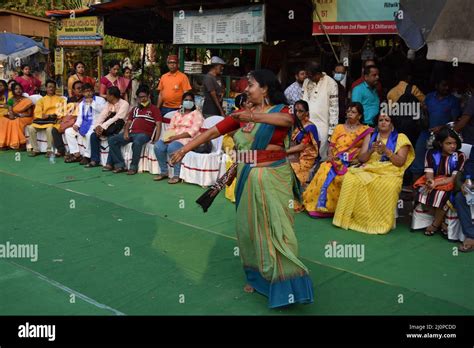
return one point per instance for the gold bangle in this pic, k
(391, 155)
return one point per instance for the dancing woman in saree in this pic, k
(265, 189)
(321, 196)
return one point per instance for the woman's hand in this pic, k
(430, 185)
(177, 156)
(381, 148)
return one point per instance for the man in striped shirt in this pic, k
(138, 130)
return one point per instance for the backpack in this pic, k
(409, 98)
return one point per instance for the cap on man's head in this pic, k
(217, 60)
(172, 57)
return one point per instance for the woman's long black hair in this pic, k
(267, 78)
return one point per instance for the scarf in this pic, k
(87, 118)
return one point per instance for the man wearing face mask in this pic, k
(339, 75)
(142, 121)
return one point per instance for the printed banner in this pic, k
(233, 25)
(81, 31)
(355, 17)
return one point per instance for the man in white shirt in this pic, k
(321, 93)
(294, 91)
(88, 112)
(110, 122)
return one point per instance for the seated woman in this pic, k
(322, 194)
(441, 166)
(304, 148)
(4, 96)
(20, 114)
(370, 193)
(184, 126)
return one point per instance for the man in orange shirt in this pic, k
(172, 87)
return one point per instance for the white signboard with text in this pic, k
(224, 26)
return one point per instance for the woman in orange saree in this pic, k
(12, 125)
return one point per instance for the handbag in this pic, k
(204, 148)
(66, 122)
(114, 128)
(49, 120)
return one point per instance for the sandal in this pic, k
(132, 172)
(160, 177)
(72, 159)
(119, 170)
(84, 161)
(466, 248)
(431, 230)
(107, 168)
(34, 153)
(92, 164)
(174, 180)
(444, 229)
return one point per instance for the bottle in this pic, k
(52, 158)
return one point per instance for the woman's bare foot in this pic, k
(248, 288)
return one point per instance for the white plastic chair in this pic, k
(422, 219)
(204, 168)
(148, 161)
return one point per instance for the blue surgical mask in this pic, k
(339, 76)
(188, 104)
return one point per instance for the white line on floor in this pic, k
(69, 290)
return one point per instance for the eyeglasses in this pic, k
(172, 62)
(142, 96)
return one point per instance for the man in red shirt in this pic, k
(139, 128)
(361, 79)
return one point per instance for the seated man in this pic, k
(88, 112)
(46, 117)
(70, 116)
(139, 128)
(110, 122)
(464, 210)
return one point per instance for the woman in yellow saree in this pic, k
(321, 195)
(370, 193)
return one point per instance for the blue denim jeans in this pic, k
(95, 149)
(162, 150)
(464, 215)
(418, 165)
(165, 110)
(115, 149)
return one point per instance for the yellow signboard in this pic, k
(80, 31)
(58, 61)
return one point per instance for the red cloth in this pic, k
(378, 86)
(228, 125)
(144, 119)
